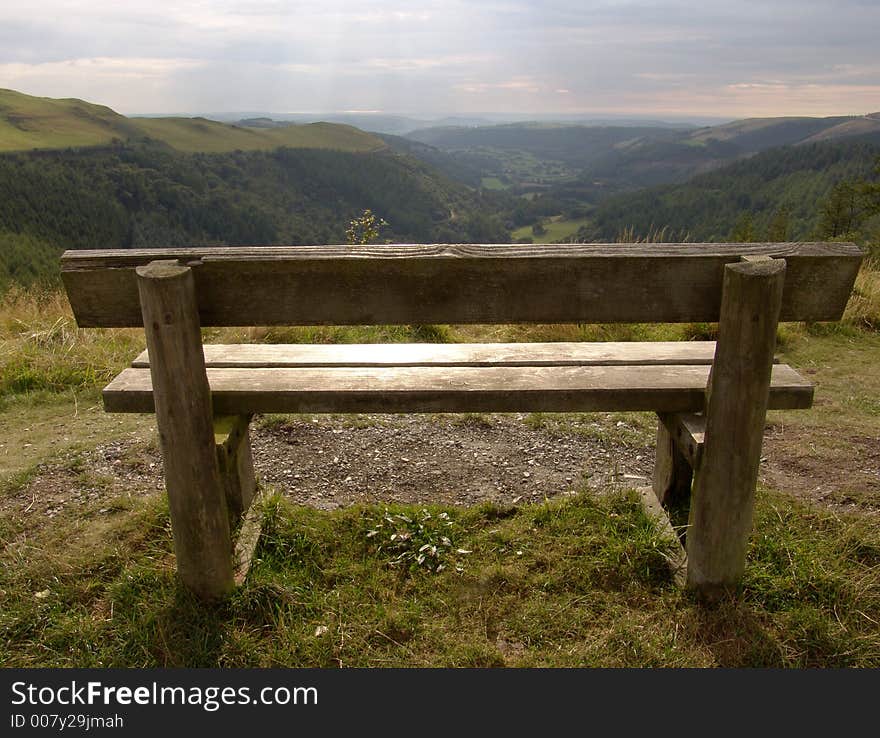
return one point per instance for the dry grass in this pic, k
(655, 234)
(863, 309)
(42, 350)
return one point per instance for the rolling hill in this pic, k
(28, 123)
(794, 180)
(758, 134)
(534, 156)
(587, 163)
(76, 175)
(651, 161)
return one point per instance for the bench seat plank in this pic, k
(670, 388)
(607, 353)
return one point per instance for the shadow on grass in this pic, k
(733, 633)
(160, 623)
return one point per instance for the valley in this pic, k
(78, 175)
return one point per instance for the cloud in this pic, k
(97, 67)
(448, 56)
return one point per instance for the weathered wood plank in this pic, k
(688, 431)
(461, 283)
(197, 501)
(246, 543)
(672, 477)
(455, 389)
(608, 353)
(236, 463)
(677, 558)
(723, 496)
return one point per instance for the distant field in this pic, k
(493, 183)
(557, 230)
(28, 122)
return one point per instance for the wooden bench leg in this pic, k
(182, 397)
(723, 497)
(236, 463)
(672, 471)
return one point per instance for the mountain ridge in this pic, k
(28, 122)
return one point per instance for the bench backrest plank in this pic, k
(463, 283)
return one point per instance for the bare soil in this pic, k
(823, 465)
(328, 462)
(449, 460)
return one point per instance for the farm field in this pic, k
(558, 229)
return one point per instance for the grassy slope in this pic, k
(199, 134)
(575, 581)
(28, 122)
(757, 134)
(558, 229)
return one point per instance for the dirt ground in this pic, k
(328, 462)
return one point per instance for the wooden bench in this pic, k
(711, 399)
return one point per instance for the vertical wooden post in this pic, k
(723, 497)
(184, 416)
(672, 472)
(236, 462)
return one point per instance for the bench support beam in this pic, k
(723, 498)
(673, 472)
(196, 495)
(236, 463)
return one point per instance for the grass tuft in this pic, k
(579, 581)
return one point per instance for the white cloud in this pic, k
(97, 67)
(447, 56)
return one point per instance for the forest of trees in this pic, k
(130, 196)
(780, 194)
(148, 196)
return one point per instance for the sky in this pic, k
(733, 59)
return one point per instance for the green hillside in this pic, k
(533, 156)
(756, 134)
(202, 135)
(793, 179)
(28, 122)
(144, 196)
(44, 123)
(651, 161)
(574, 145)
(577, 164)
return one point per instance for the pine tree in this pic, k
(842, 212)
(777, 231)
(743, 231)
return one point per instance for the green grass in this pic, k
(579, 582)
(557, 230)
(493, 183)
(28, 122)
(201, 135)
